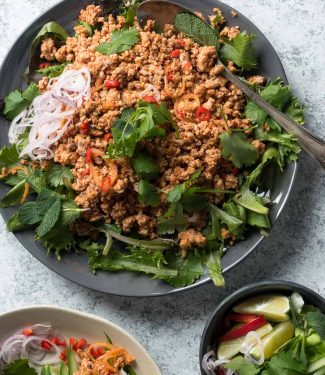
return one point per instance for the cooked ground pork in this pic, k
(190, 80)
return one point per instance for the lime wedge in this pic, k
(282, 333)
(272, 307)
(228, 349)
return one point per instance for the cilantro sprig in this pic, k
(121, 41)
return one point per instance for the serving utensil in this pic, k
(164, 12)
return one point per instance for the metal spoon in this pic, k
(164, 12)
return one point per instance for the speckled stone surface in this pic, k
(170, 327)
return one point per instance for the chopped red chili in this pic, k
(89, 155)
(81, 344)
(97, 352)
(27, 332)
(175, 54)
(55, 340)
(107, 136)
(112, 84)
(106, 184)
(86, 172)
(180, 42)
(150, 99)
(73, 342)
(253, 325)
(203, 114)
(45, 345)
(44, 65)
(181, 114)
(170, 76)
(84, 128)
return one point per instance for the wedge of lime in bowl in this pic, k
(272, 307)
(281, 334)
(228, 349)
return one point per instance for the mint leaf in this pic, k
(14, 224)
(316, 321)
(14, 196)
(70, 212)
(36, 180)
(196, 29)
(144, 165)
(19, 367)
(45, 200)
(57, 175)
(121, 40)
(53, 70)
(236, 148)
(240, 50)
(241, 367)
(28, 214)
(17, 101)
(148, 194)
(50, 219)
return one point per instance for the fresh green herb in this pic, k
(213, 264)
(121, 41)
(87, 26)
(240, 50)
(50, 218)
(173, 220)
(176, 193)
(53, 70)
(129, 370)
(108, 339)
(19, 367)
(9, 157)
(316, 321)
(14, 196)
(144, 165)
(72, 363)
(284, 364)
(251, 201)
(232, 222)
(241, 367)
(237, 148)
(14, 225)
(58, 175)
(46, 370)
(129, 12)
(17, 101)
(148, 194)
(196, 29)
(144, 123)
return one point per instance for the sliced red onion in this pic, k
(210, 364)
(151, 89)
(252, 339)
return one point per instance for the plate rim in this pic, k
(202, 280)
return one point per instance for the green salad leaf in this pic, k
(148, 194)
(121, 41)
(173, 220)
(9, 156)
(19, 367)
(129, 12)
(58, 175)
(87, 26)
(196, 29)
(316, 321)
(237, 148)
(53, 70)
(17, 101)
(14, 196)
(213, 264)
(144, 165)
(241, 367)
(240, 50)
(284, 364)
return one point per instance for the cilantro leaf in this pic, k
(196, 29)
(144, 165)
(57, 175)
(213, 264)
(240, 50)
(148, 194)
(50, 219)
(241, 367)
(121, 40)
(173, 220)
(316, 321)
(176, 193)
(232, 222)
(284, 364)
(53, 70)
(19, 367)
(236, 148)
(17, 101)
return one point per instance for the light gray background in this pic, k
(170, 327)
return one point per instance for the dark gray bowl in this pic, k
(215, 325)
(74, 267)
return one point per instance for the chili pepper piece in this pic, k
(203, 114)
(150, 99)
(176, 53)
(112, 84)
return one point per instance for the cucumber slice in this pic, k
(316, 366)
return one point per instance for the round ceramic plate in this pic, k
(75, 267)
(76, 324)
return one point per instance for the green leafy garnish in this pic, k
(213, 264)
(14, 196)
(240, 50)
(129, 370)
(17, 101)
(19, 367)
(237, 148)
(316, 321)
(129, 12)
(58, 175)
(121, 40)
(284, 364)
(89, 28)
(173, 220)
(196, 29)
(53, 70)
(148, 194)
(241, 367)
(144, 165)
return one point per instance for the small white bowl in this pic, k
(78, 324)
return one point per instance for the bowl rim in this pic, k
(240, 293)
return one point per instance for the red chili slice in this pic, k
(107, 136)
(253, 325)
(150, 99)
(180, 42)
(44, 65)
(176, 53)
(112, 84)
(106, 184)
(242, 318)
(170, 76)
(55, 340)
(89, 155)
(203, 114)
(84, 128)
(45, 345)
(81, 344)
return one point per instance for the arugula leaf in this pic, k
(17, 101)
(236, 148)
(14, 196)
(53, 70)
(241, 367)
(173, 220)
(50, 219)
(240, 50)
(148, 194)
(57, 175)
(316, 321)
(87, 26)
(9, 156)
(121, 40)
(144, 165)
(284, 364)
(196, 29)
(19, 367)
(144, 123)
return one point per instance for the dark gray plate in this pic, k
(74, 267)
(215, 325)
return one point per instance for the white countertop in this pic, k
(170, 327)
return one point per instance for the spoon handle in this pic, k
(311, 143)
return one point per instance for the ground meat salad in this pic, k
(141, 137)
